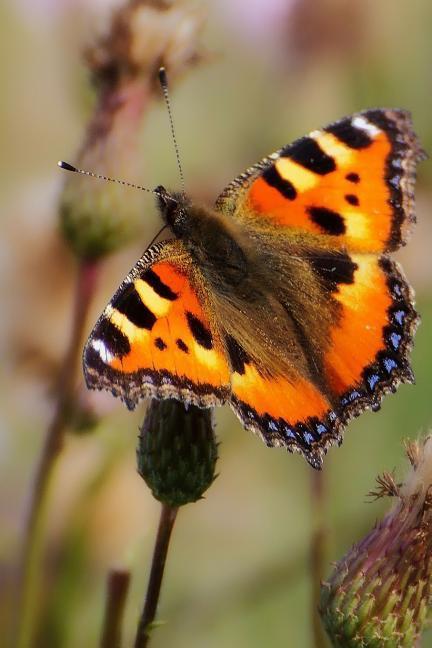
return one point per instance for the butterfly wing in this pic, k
(366, 356)
(345, 192)
(351, 182)
(156, 338)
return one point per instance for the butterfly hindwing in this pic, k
(368, 351)
(367, 357)
(155, 338)
(351, 182)
(291, 413)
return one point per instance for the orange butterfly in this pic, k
(282, 300)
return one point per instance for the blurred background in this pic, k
(267, 71)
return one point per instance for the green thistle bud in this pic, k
(177, 452)
(97, 218)
(379, 593)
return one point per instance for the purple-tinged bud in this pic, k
(379, 594)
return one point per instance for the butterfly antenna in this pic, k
(164, 85)
(69, 167)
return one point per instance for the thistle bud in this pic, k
(98, 218)
(380, 592)
(177, 452)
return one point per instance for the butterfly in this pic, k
(282, 300)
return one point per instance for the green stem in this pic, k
(317, 553)
(166, 523)
(117, 589)
(29, 564)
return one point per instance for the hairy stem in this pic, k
(29, 563)
(117, 589)
(166, 523)
(317, 553)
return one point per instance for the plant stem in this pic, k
(117, 589)
(166, 523)
(317, 552)
(29, 563)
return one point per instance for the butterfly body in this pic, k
(212, 241)
(252, 286)
(282, 299)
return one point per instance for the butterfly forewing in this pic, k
(351, 182)
(155, 338)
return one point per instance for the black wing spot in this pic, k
(158, 285)
(329, 221)
(334, 269)
(353, 177)
(354, 137)
(200, 332)
(237, 355)
(160, 344)
(352, 200)
(275, 180)
(182, 345)
(310, 155)
(115, 341)
(131, 305)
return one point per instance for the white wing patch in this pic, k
(105, 354)
(363, 124)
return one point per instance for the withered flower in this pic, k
(380, 592)
(97, 218)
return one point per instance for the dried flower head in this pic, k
(97, 218)
(380, 592)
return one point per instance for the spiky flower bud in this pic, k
(177, 452)
(379, 593)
